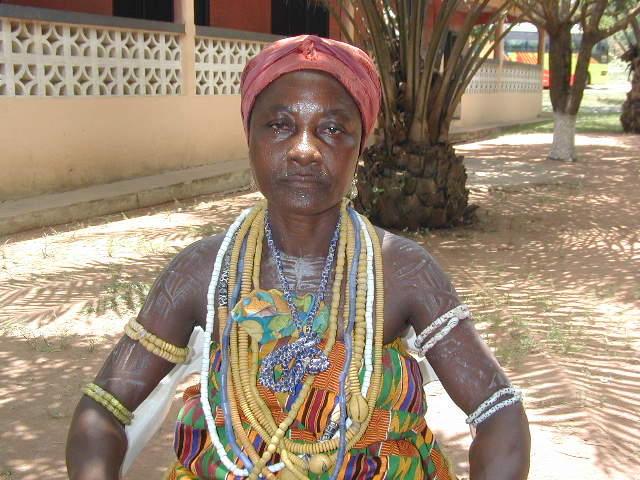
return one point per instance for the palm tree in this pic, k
(630, 117)
(411, 176)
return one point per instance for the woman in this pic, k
(303, 304)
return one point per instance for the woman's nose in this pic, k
(304, 149)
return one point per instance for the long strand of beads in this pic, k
(204, 376)
(231, 416)
(368, 348)
(333, 443)
(260, 415)
(368, 343)
(239, 235)
(253, 251)
(357, 404)
(376, 381)
(235, 416)
(239, 336)
(354, 251)
(224, 385)
(320, 463)
(239, 339)
(364, 277)
(232, 329)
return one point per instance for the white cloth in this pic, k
(150, 414)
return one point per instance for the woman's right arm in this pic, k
(97, 443)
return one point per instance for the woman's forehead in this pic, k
(307, 89)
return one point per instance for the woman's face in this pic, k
(304, 140)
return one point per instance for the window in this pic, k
(202, 12)
(298, 17)
(147, 9)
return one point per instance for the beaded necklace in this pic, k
(364, 347)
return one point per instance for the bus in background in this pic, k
(521, 45)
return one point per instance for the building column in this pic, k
(498, 51)
(541, 41)
(498, 46)
(185, 14)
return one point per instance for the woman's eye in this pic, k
(278, 125)
(332, 130)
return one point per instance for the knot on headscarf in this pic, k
(308, 49)
(352, 67)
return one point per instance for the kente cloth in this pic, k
(352, 67)
(397, 444)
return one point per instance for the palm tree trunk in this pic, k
(630, 117)
(420, 186)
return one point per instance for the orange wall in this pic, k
(251, 15)
(101, 7)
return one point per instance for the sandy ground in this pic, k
(550, 270)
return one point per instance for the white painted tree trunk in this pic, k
(564, 138)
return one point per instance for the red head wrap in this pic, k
(351, 66)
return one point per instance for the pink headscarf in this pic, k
(351, 66)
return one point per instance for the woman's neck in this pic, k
(303, 235)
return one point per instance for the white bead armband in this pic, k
(440, 328)
(493, 404)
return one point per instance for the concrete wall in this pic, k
(501, 107)
(57, 144)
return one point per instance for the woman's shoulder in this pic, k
(402, 255)
(199, 255)
(414, 281)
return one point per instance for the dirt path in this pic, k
(551, 272)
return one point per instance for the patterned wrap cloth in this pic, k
(398, 444)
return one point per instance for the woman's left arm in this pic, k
(470, 374)
(464, 364)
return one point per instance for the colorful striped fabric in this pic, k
(398, 444)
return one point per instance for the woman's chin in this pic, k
(303, 201)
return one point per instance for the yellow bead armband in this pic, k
(108, 401)
(135, 331)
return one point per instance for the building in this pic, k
(100, 91)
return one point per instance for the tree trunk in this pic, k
(420, 186)
(564, 124)
(560, 67)
(564, 133)
(630, 117)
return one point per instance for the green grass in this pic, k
(599, 113)
(121, 295)
(585, 123)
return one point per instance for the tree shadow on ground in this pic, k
(551, 272)
(40, 385)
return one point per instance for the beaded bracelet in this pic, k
(108, 401)
(135, 331)
(451, 318)
(486, 410)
